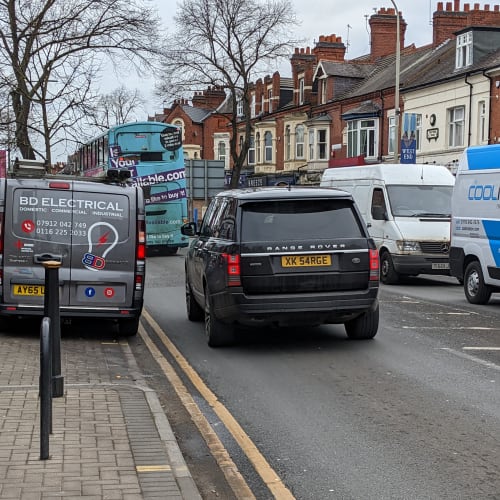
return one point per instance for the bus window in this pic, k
(152, 156)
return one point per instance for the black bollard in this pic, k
(51, 310)
(45, 388)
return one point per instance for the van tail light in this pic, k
(233, 269)
(140, 264)
(141, 240)
(374, 265)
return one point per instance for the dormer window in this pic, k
(464, 50)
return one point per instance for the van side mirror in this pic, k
(189, 229)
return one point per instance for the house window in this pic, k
(361, 138)
(301, 90)
(268, 144)
(270, 100)
(251, 151)
(239, 108)
(463, 50)
(221, 151)
(288, 143)
(180, 124)
(391, 146)
(321, 145)
(456, 126)
(252, 106)
(299, 141)
(419, 132)
(311, 144)
(323, 91)
(257, 147)
(481, 127)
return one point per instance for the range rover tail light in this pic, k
(374, 265)
(233, 269)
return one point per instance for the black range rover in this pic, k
(284, 257)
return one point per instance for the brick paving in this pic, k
(110, 439)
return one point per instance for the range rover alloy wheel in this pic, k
(218, 334)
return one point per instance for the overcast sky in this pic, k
(327, 17)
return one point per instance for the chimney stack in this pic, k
(383, 26)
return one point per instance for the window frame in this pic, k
(456, 125)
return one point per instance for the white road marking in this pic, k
(474, 359)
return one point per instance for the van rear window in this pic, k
(300, 220)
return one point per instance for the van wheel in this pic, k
(194, 311)
(128, 327)
(388, 274)
(363, 327)
(218, 334)
(476, 290)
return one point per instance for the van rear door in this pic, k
(85, 224)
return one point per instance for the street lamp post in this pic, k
(396, 90)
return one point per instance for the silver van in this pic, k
(95, 229)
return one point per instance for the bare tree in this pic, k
(225, 43)
(52, 50)
(119, 106)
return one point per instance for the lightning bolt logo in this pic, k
(103, 239)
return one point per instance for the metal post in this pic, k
(396, 90)
(45, 388)
(51, 309)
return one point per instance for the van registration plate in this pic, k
(441, 265)
(306, 260)
(29, 290)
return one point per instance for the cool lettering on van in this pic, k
(486, 192)
(69, 203)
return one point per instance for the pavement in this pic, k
(110, 436)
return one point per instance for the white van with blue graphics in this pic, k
(475, 228)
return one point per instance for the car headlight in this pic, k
(408, 246)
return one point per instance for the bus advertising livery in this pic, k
(153, 154)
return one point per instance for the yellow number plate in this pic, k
(306, 260)
(29, 290)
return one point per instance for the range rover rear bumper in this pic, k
(293, 309)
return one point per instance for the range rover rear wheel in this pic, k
(218, 334)
(363, 327)
(194, 310)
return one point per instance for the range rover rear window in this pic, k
(300, 220)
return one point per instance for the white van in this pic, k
(407, 209)
(475, 236)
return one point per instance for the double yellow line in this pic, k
(233, 476)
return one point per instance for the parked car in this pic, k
(282, 256)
